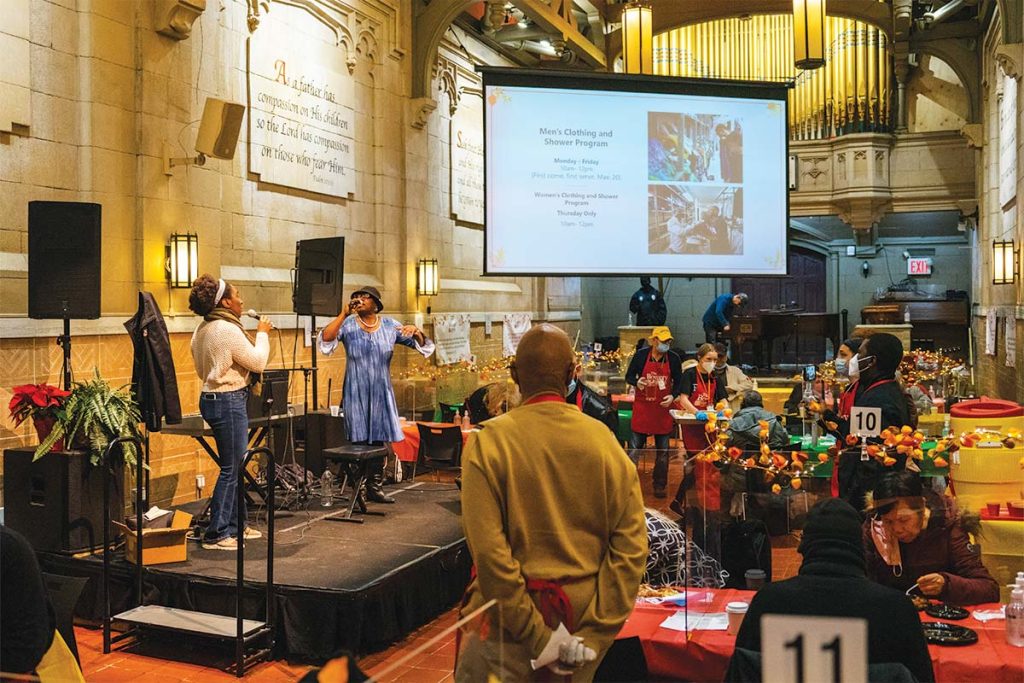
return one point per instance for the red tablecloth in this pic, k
(407, 450)
(705, 656)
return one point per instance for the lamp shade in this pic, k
(183, 259)
(637, 38)
(1004, 263)
(427, 277)
(808, 33)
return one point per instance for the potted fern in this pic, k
(92, 416)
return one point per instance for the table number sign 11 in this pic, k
(865, 421)
(803, 649)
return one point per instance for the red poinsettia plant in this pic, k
(36, 401)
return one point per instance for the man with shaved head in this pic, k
(554, 519)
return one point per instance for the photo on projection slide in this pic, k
(694, 219)
(694, 148)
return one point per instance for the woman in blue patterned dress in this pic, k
(371, 413)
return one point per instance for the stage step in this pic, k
(199, 623)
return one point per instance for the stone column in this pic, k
(902, 69)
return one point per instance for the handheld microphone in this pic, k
(252, 313)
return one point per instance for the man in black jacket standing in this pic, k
(832, 583)
(648, 304)
(592, 403)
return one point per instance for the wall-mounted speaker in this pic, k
(218, 131)
(319, 271)
(64, 260)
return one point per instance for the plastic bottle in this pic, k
(457, 420)
(1015, 618)
(326, 489)
(906, 315)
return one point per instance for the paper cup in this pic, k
(736, 611)
(993, 508)
(335, 410)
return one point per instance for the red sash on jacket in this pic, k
(548, 595)
(648, 415)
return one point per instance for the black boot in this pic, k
(375, 486)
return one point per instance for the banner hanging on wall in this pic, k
(1011, 340)
(301, 98)
(451, 335)
(516, 325)
(467, 159)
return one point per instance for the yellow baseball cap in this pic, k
(662, 333)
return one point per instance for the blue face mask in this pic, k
(663, 347)
(572, 388)
(842, 367)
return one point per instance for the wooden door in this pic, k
(804, 287)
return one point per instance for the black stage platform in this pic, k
(358, 587)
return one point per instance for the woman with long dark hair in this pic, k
(225, 355)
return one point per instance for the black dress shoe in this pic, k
(375, 494)
(676, 507)
(659, 492)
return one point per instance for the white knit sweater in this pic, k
(224, 357)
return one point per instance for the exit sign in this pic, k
(919, 266)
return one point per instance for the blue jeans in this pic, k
(226, 414)
(638, 441)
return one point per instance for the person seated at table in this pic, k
(745, 426)
(914, 536)
(592, 403)
(735, 381)
(491, 400)
(831, 582)
(673, 561)
(818, 388)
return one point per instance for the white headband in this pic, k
(220, 292)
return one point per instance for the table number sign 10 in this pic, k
(865, 421)
(803, 649)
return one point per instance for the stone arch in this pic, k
(430, 24)
(964, 63)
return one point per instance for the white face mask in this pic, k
(708, 366)
(855, 368)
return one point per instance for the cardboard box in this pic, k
(160, 546)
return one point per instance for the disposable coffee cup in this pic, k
(754, 578)
(335, 410)
(736, 611)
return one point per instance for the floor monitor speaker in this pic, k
(64, 260)
(319, 271)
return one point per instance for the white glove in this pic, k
(575, 653)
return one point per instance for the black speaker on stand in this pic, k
(319, 272)
(64, 266)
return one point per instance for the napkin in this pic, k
(707, 621)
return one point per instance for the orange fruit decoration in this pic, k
(917, 454)
(874, 450)
(709, 427)
(941, 462)
(776, 488)
(749, 462)
(764, 460)
(851, 440)
(763, 434)
(796, 483)
(888, 462)
(906, 429)
(779, 460)
(735, 452)
(822, 457)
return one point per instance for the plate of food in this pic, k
(661, 595)
(941, 633)
(943, 611)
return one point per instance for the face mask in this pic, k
(855, 365)
(663, 347)
(720, 368)
(572, 388)
(708, 366)
(842, 368)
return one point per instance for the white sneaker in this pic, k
(252, 534)
(226, 543)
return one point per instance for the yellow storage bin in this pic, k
(986, 413)
(985, 475)
(1002, 551)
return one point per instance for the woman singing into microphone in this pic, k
(224, 355)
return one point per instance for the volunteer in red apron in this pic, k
(701, 391)
(656, 372)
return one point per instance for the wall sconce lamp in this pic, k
(865, 268)
(808, 33)
(182, 264)
(637, 38)
(428, 279)
(1004, 262)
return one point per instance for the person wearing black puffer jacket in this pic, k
(832, 583)
(592, 403)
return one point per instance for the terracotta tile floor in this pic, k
(429, 651)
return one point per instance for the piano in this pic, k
(768, 326)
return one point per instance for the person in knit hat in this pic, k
(832, 583)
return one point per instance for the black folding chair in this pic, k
(448, 411)
(440, 448)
